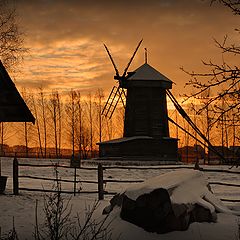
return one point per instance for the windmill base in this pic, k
(140, 148)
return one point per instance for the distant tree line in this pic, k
(64, 121)
(68, 123)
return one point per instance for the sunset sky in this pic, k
(66, 39)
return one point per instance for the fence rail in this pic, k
(55, 179)
(51, 190)
(53, 165)
(16, 178)
(101, 181)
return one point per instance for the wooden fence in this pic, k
(101, 181)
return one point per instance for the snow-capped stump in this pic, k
(154, 212)
(169, 202)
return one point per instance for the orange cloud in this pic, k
(65, 39)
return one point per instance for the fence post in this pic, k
(100, 182)
(15, 177)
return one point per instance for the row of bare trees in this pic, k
(219, 131)
(217, 89)
(73, 121)
(64, 121)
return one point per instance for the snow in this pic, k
(22, 206)
(226, 228)
(184, 178)
(125, 139)
(186, 186)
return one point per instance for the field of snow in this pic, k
(22, 206)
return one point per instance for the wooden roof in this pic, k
(12, 106)
(147, 72)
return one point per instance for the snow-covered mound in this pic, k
(185, 186)
(178, 200)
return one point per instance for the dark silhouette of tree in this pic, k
(11, 38)
(222, 79)
(234, 5)
(55, 108)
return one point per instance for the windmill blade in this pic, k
(109, 102)
(110, 56)
(131, 59)
(123, 97)
(115, 96)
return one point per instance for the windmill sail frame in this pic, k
(117, 93)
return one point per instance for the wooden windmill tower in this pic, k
(146, 131)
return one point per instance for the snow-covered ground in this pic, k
(22, 207)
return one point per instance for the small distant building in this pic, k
(235, 150)
(226, 152)
(189, 154)
(4, 148)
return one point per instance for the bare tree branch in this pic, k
(223, 80)
(234, 5)
(11, 38)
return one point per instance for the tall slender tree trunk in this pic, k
(38, 127)
(233, 130)
(44, 123)
(55, 130)
(91, 124)
(59, 125)
(54, 116)
(26, 138)
(208, 130)
(80, 124)
(73, 122)
(99, 99)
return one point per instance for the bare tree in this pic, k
(231, 4)
(90, 120)
(71, 110)
(109, 125)
(99, 105)
(56, 117)
(43, 105)
(79, 130)
(36, 113)
(11, 38)
(222, 79)
(27, 126)
(60, 120)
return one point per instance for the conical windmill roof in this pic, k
(147, 72)
(12, 106)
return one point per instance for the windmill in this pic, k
(146, 122)
(146, 131)
(118, 92)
